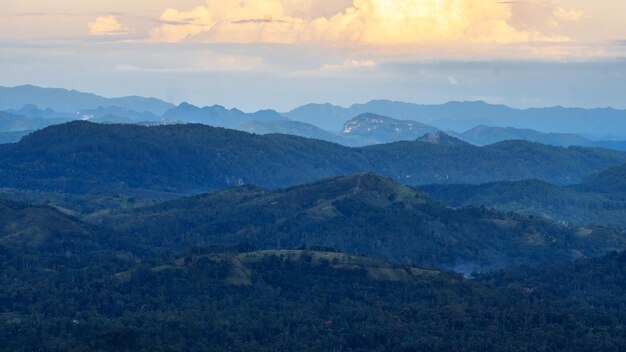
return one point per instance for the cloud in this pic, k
(369, 22)
(177, 26)
(196, 61)
(565, 15)
(107, 25)
(348, 64)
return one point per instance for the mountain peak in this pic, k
(366, 188)
(187, 106)
(441, 138)
(385, 129)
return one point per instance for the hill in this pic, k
(80, 157)
(73, 101)
(611, 182)
(284, 300)
(364, 214)
(381, 129)
(588, 283)
(441, 138)
(67, 285)
(35, 227)
(44, 234)
(420, 163)
(571, 204)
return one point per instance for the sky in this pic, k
(255, 54)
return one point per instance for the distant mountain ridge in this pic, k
(483, 123)
(485, 135)
(217, 115)
(462, 116)
(72, 101)
(15, 123)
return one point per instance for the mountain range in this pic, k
(485, 135)
(378, 227)
(217, 115)
(476, 122)
(462, 116)
(79, 157)
(73, 101)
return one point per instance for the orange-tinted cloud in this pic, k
(177, 26)
(107, 25)
(566, 15)
(364, 22)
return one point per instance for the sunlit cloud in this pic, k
(107, 25)
(567, 15)
(370, 22)
(177, 26)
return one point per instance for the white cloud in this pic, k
(452, 80)
(107, 25)
(567, 15)
(348, 64)
(177, 26)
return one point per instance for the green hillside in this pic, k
(364, 214)
(82, 157)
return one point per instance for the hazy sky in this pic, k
(281, 53)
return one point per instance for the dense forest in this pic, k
(194, 238)
(229, 298)
(364, 214)
(82, 157)
(600, 199)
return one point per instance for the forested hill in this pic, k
(207, 300)
(44, 229)
(66, 285)
(80, 157)
(363, 214)
(600, 199)
(421, 163)
(610, 182)
(594, 282)
(44, 232)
